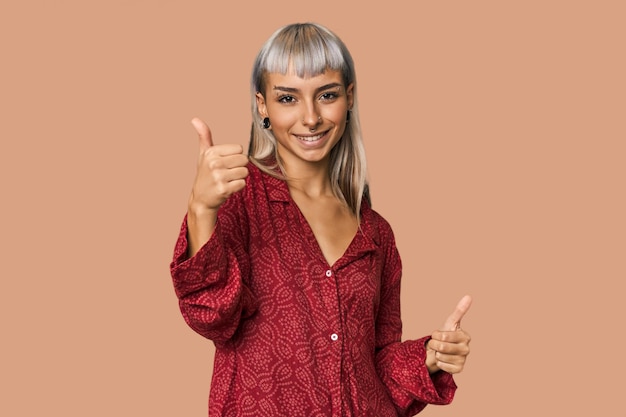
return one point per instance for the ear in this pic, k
(350, 95)
(260, 104)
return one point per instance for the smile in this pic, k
(311, 138)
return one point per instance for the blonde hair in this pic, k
(310, 49)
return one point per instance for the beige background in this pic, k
(495, 135)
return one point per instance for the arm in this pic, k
(402, 366)
(211, 285)
(221, 172)
(210, 262)
(448, 348)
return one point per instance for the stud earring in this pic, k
(266, 123)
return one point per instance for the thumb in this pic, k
(204, 133)
(454, 320)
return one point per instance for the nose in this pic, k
(311, 117)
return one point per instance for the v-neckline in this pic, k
(279, 191)
(314, 242)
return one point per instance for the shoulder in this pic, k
(254, 171)
(258, 171)
(257, 177)
(261, 183)
(373, 216)
(378, 224)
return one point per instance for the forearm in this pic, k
(209, 285)
(200, 226)
(402, 369)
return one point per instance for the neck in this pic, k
(310, 178)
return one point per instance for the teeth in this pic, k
(310, 138)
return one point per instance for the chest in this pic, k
(331, 225)
(292, 256)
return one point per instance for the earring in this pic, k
(266, 123)
(348, 116)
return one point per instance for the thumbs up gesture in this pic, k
(221, 172)
(448, 348)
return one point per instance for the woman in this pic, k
(284, 265)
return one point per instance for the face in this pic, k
(307, 115)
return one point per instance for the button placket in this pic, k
(329, 286)
(334, 336)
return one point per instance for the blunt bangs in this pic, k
(304, 50)
(307, 50)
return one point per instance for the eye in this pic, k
(329, 96)
(287, 99)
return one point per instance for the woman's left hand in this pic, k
(448, 348)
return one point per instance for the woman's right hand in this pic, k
(221, 172)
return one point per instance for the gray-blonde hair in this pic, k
(310, 49)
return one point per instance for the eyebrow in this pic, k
(296, 90)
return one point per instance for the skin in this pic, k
(220, 173)
(300, 110)
(448, 347)
(308, 118)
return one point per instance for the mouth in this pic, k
(311, 138)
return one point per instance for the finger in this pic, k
(237, 185)
(454, 320)
(449, 348)
(226, 189)
(230, 175)
(204, 133)
(451, 368)
(456, 336)
(450, 359)
(228, 150)
(235, 160)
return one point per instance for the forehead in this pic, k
(292, 80)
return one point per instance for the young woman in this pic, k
(282, 262)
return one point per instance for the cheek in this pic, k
(335, 113)
(282, 120)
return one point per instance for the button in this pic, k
(334, 337)
(329, 273)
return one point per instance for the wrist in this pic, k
(431, 361)
(201, 222)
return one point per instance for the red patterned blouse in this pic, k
(295, 336)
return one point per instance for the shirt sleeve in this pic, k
(211, 285)
(401, 365)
